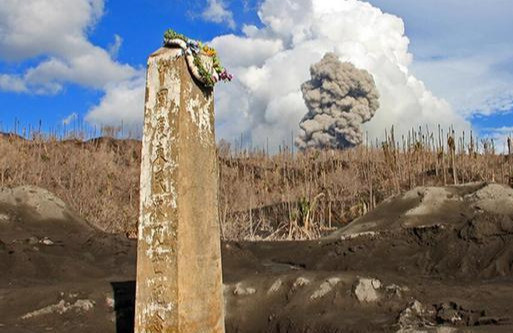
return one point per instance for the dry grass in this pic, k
(99, 179)
(284, 196)
(306, 195)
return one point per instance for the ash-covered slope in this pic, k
(432, 206)
(433, 260)
(56, 271)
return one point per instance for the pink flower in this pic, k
(225, 76)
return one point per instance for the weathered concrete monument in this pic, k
(179, 278)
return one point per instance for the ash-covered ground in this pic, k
(431, 260)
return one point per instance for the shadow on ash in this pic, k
(436, 259)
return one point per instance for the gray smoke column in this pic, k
(340, 98)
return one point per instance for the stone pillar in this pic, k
(179, 280)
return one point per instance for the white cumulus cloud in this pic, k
(467, 56)
(123, 103)
(217, 12)
(271, 63)
(12, 83)
(56, 31)
(474, 84)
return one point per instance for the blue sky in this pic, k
(141, 24)
(463, 54)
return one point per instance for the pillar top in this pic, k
(202, 60)
(167, 51)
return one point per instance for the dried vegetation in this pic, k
(288, 195)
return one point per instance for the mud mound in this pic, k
(44, 205)
(481, 247)
(43, 239)
(55, 269)
(429, 206)
(29, 212)
(493, 198)
(11, 137)
(464, 231)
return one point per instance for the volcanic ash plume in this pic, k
(340, 98)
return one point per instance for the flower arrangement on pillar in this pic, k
(202, 59)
